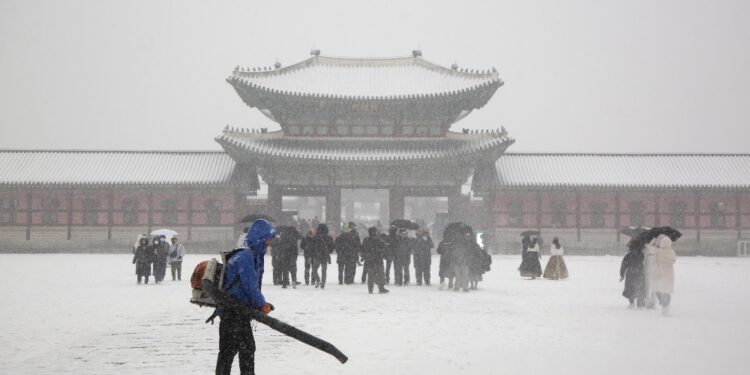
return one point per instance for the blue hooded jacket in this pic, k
(244, 268)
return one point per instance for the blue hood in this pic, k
(258, 234)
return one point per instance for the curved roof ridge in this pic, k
(112, 151)
(633, 154)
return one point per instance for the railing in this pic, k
(743, 248)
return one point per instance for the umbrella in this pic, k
(404, 224)
(457, 227)
(252, 217)
(530, 233)
(163, 232)
(633, 232)
(646, 236)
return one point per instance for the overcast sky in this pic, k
(580, 76)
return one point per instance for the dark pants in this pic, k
(308, 265)
(235, 336)
(347, 271)
(160, 269)
(277, 270)
(139, 279)
(290, 268)
(374, 273)
(401, 273)
(323, 264)
(664, 299)
(176, 270)
(422, 271)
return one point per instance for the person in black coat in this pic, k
(306, 253)
(402, 257)
(445, 270)
(161, 252)
(144, 256)
(422, 256)
(347, 247)
(287, 251)
(320, 247)
(373, 250)
(631, 270)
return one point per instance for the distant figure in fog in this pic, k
(161, 252)
(286, 247)
(373, 249)
(347, 247)
(531, 267)
(556, 268)
(307, 253)
(402, 257)
(479, 261)
(422, 257)
(445, 249)
(321, 247)
(144, 256)
(176, 252)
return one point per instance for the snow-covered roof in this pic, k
(363, 149)
(55, 167)
(624, 170)
(361, 78)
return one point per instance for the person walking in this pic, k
(402, 258)
(176, 253)
(286, 245)
(422, 257)
(373, 249)
(347, 247)
(307, 254)
(556, 268)
(321, 245)
(143, 257)
(161, 252)
(391, 241)
(663, 277)
(631, 271)
(531, 267)
(243, 276)
(445, 269)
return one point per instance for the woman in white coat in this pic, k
(662, 278)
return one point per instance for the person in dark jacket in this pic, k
(479, 262)
(402, 257)
(422, 257)
(161, 252)
(347, 247)
(144, 256)
(631, 270)
(306, 253)
(286, 246)
(320, 247)
(242, 280)
(373, 249)
(531, 267)
(445, 270)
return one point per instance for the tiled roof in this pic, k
(364, 149)
(26, 167)
(359, 78)
(624, 170)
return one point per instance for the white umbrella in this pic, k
(163, 232)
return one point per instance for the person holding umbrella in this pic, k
(530, 266)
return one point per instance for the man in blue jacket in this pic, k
(242, 281)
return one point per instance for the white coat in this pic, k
(666, 257)
(555, 251)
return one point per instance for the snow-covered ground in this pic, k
(84, 314)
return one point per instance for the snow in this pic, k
(84, 314)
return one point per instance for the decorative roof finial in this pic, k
(416, 53)
(315, 52)
(454, 66)
(277, 64)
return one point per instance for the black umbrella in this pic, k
(530, 233)
(404, 224)
(633, 232)
(252, 217)
(646, 236)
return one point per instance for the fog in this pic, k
(594, 76)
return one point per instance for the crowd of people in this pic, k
(152, 258)
(384, 257)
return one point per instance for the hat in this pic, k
(352, 224)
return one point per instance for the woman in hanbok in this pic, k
(556, 268)
(530, 267)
